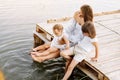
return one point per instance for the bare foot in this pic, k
(38, 55)
(38, 59)
(34, 53)
(34, 50)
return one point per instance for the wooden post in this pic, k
(37, 41)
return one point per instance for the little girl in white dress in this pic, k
(59, 42)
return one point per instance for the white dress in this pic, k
(55, 42)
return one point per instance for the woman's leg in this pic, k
(70, 69)
(42, 47)
(47, 57)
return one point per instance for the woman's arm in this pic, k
(96, 51)
(71, 26)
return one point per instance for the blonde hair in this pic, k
(58, 27)
(89, 28)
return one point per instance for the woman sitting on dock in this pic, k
(60, 42)
(83, 48)
(75, 33)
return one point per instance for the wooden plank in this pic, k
(107, 17)
(110, 22)
(108, 57)
(41, 37)
(112, 68)
(88, 72)
(114, 75)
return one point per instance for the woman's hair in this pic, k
(89, 28)
(58, 27)
(87, 13)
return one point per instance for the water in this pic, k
(17, 22)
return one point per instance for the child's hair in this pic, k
(89, 28)
(87, 12)
(58, 27)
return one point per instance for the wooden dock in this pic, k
(108, 32)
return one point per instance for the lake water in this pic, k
(17, 22)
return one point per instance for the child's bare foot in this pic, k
(38, 59)
(37, 54)
(34, 50)
(34, 53)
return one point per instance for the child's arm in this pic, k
(66, 42)
(96, 51)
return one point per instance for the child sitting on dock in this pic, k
(60, 42)
(83, 48)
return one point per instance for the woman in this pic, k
(85, 14)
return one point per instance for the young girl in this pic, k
(59, 42)
(86, 45)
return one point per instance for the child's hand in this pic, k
(94, 59)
